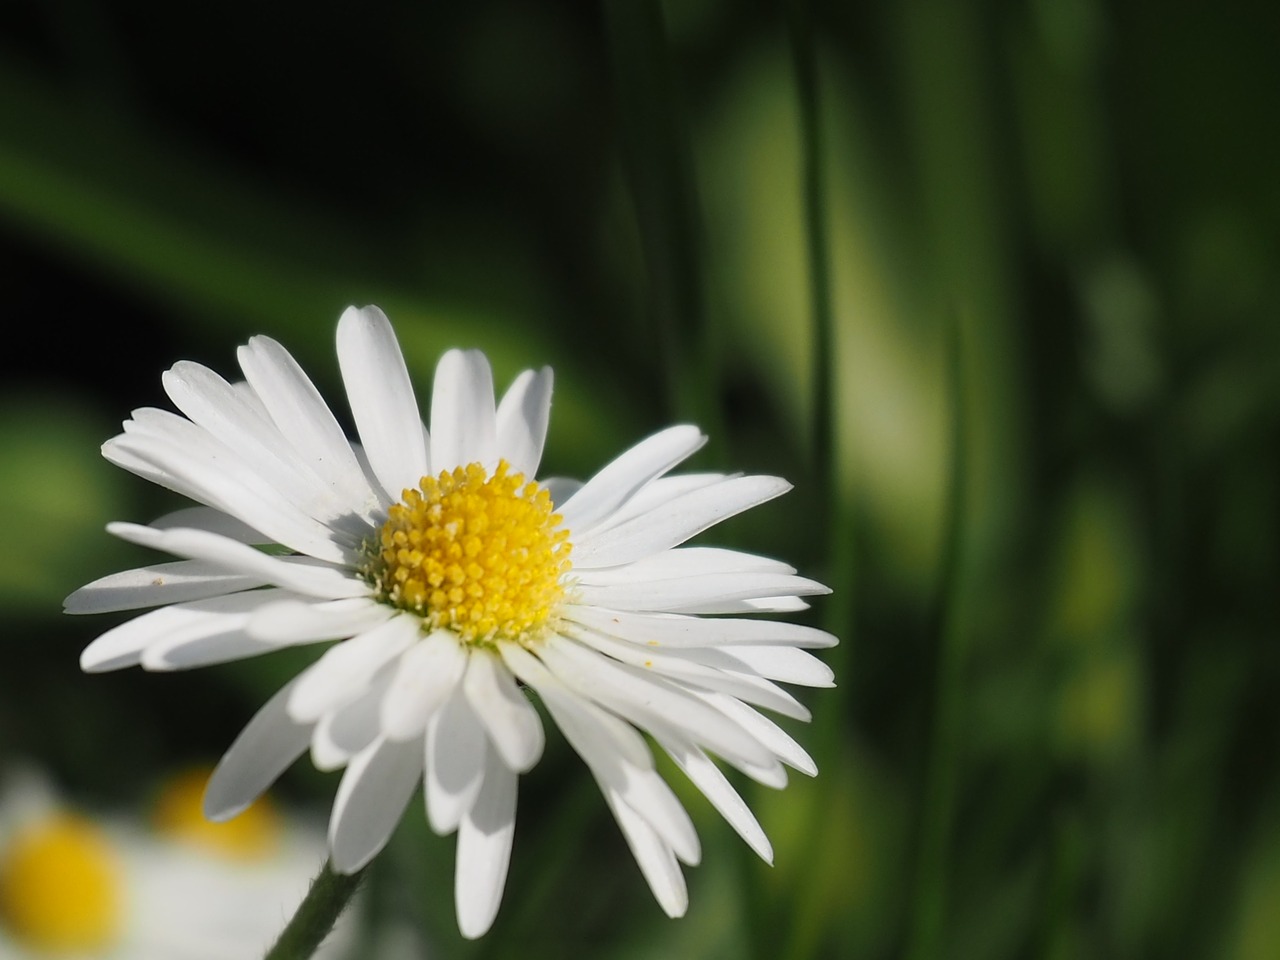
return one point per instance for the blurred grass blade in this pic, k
(928, 903)
(658, 163)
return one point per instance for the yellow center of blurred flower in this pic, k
(179, 814)
(60, 886)
(480, 554)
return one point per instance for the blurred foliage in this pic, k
(1087, 191)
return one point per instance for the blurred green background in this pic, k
(997, 292)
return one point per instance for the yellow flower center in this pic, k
(60, 886)
(178, 813)
(480, 554)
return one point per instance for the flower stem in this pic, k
(329, 895)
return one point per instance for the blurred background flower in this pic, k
(1054, 546)
(158, 883)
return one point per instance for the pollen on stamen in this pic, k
(481, 554)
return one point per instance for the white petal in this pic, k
(657, 630)
(266, 747)
(657, 492)
(302, 621)
(561, 488)
(304, 419)
(213, 520)
(374, 791)
(382, 400)
(218, 478)
(425, 677)
(345, 732)
(616, 754)
(456, 748)
(682, 671)
(679, 594)
(522, 421)
(764, 605)
(123, 646)
(349, 666)
(323, 581)
(463, 424)
(619, 480)
(654, 857)
(511, 721)
(236, 418)
(674, 522)
(590, 730)
(706, 776)
(484, 849)
(786, 664)
(650, 701)
(155, 585)
(186, 652)
(684, 562)
(781, 743)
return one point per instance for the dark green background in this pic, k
(1054, 417)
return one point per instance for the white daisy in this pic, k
(81, 886)
(457, 586)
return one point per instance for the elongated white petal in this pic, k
(781, 743)
(685, 562)
(590, 730)
(212, 520)
(657, 492)
(239, 422)
(785, 664)
(706, 776)
(681, 671)
(302, 621)
(302, 416)
(560, 488)
(456, 749)
(695, 589)
(382, 400)
(759, 605)
(157, 584)
(512, 723)
(178, 652)
(484, 849)
(348, 730)
(374, 791)
(318, 580)
(522, 418)
(618, 481)
(266, 747)
(654, 857)
(660, 630)
(123, 646)
(342, 673)
(218, 478)
(463, 421)
(649, 700)
(674, 522)
(425, 677)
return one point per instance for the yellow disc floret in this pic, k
(60, 887)
(480, 554)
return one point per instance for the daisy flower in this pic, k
(460, 590)
(84, 886)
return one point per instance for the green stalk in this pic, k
(329, 895)
(937, 805)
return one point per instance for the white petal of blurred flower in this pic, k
(456, 587)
